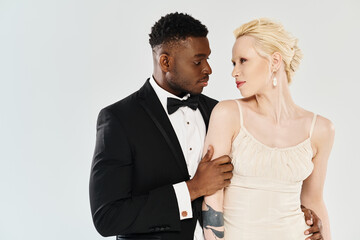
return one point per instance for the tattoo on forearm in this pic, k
(212, 218)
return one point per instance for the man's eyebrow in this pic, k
(202, 55)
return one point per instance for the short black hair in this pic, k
(176, 26)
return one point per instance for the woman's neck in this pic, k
(276, 103)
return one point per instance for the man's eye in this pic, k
(197, 63)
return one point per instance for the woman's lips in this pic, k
(240, 83)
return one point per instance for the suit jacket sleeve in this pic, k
(115, 210)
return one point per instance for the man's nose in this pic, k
(207, 69)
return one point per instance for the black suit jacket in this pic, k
(137, 159)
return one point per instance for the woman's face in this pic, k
(251, 71)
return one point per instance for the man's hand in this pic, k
(315, 222)
(210, 176)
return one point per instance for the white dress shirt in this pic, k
(190, 130)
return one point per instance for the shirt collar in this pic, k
(163, 94)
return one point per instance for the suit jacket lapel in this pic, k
(204, 111)
(152, 106)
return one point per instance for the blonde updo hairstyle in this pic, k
(271, 37)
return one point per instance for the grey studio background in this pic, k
(62, 61)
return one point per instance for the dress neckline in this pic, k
(243, 129)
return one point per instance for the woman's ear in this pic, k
(276, 60)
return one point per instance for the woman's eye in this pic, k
(242, 60)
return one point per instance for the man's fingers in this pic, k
(227, 168)
(316, 236)
(227, 175)
(222, 160)
(308, 216)
(313, 229)
(208, 155)
(226, 183)
(316, 219)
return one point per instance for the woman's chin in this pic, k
(245, 94)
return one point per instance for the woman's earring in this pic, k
(274, 80)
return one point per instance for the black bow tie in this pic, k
(173, 104)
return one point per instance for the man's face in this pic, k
(191, 70)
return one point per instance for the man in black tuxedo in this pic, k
(148, 178)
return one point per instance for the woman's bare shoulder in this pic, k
(225, 116)
(324, 127)
(230, 107)
(323, 134)
(226, 106)
(226, 111)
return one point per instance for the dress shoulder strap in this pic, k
(240, 111)
(313, 124)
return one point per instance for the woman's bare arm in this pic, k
(312, 190)
(224, 122)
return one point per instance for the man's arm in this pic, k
(115, 209)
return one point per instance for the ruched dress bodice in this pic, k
(263, 200)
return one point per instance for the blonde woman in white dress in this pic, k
(279, 150)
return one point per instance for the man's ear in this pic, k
(165, 62)
(276, 60)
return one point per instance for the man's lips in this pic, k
(240, 83)
(204, 80)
